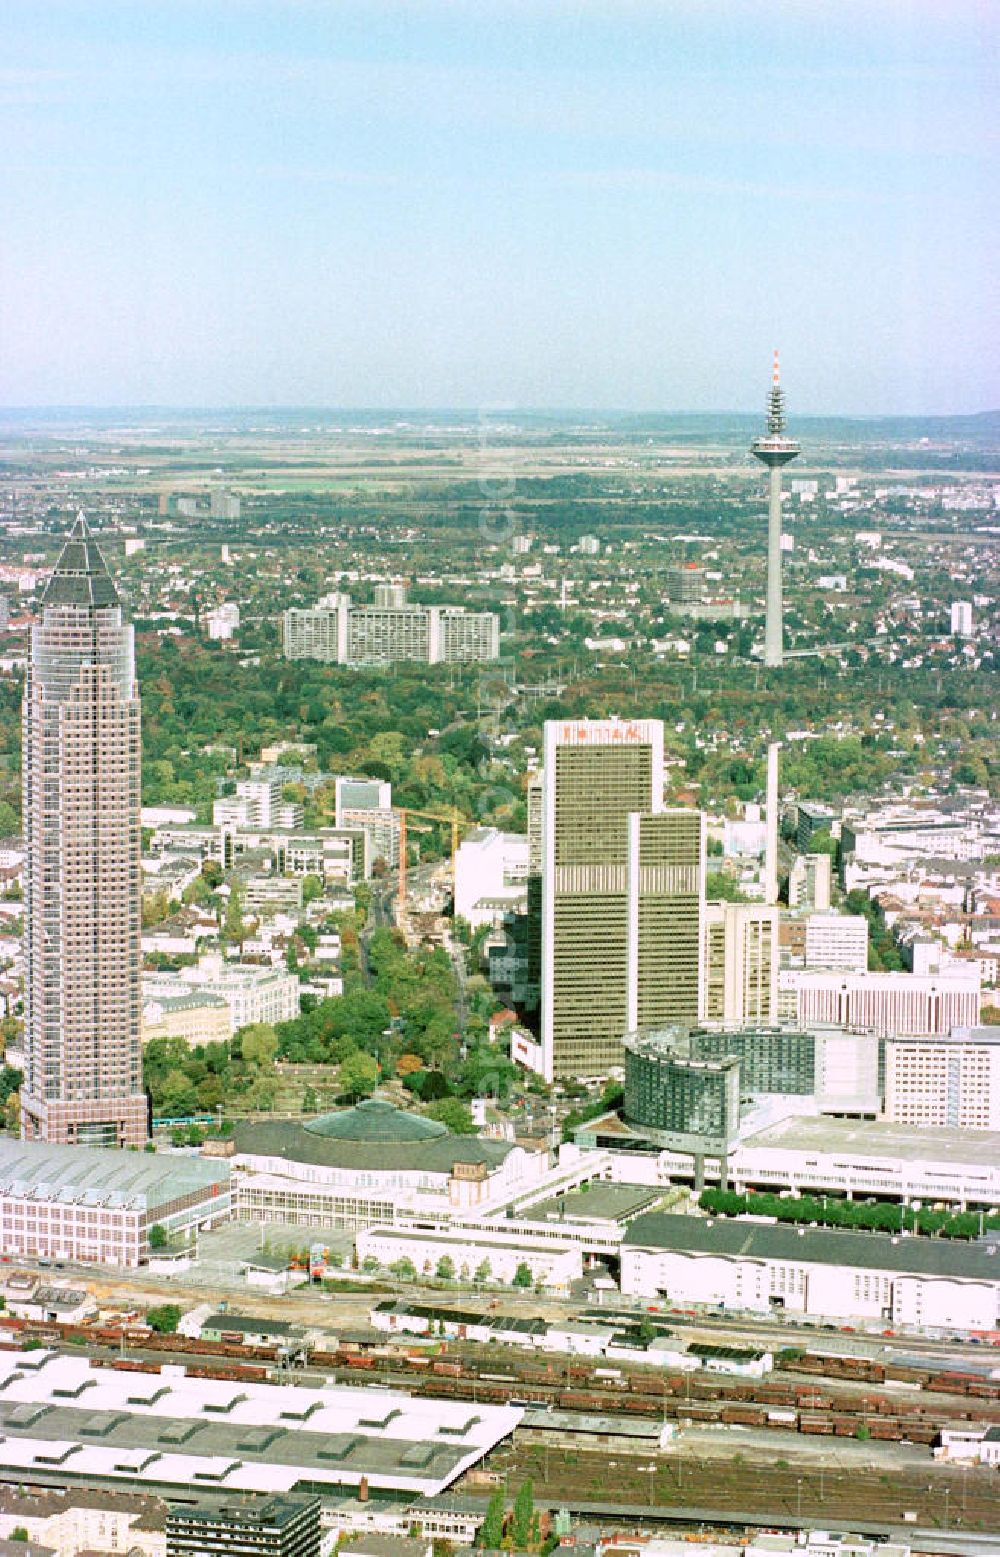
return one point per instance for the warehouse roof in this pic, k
(57, 1413)
(820, 1246)
(94, 1176)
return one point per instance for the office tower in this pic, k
(740, 978)
(774, 450)
(82, 757)
(597, 773)
(621, 894)
(771, 821)
(686, 584)
(666, 886)
(278, 1525)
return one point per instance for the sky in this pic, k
(500, 203)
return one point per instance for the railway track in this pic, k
(833, 1396)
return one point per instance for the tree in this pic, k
(523, 1518)
(233, 928)
(157, 1236)
(490, 1535)
(483, 1272)
(453, 1113)
(19, 1533)
(522, 1276)
(165, 1318)
(445, 1268)
(404, 1270)
(259, 1043)
(358, 1075)
(310, 1102)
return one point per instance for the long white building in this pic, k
(748, 1266)
(388, 631)
(884, 1003)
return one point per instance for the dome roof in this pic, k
(374, 1122)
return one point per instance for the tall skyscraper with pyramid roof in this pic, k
(81, 785)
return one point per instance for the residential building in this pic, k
(837, 942)
(389, 631)
(223, 505)
(951, 1079)
(961, 618)
(741, 964)
(621, 894)
(198, 1018)
(97, 1206)
(810, 881)
(252, 993)
(223, 622)
(82, 884)
(85, 1519)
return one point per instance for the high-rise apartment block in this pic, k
(961, 618)
(388, 631)
(741, 964)
(81, 783)
(622, 894)
(952, 1079)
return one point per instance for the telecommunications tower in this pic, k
(774, 450)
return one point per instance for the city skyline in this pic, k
(565, 206)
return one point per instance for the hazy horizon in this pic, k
(535, 203)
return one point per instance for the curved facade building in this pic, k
(679, 1100)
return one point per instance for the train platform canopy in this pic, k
(59, 1416)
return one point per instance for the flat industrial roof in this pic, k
(100, 1177)
(820, 1246)
(59, 1414)
(600, 1203)
(880, 1138)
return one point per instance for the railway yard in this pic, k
(826, 1436)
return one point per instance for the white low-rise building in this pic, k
(496, 1256)
(774, 1267)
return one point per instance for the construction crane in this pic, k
(452, 818)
